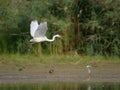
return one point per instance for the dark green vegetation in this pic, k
(89, 27)
(62, 86)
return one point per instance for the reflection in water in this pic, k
(61, 86)
(103, 86)
(89, 87)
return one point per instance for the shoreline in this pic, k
(62, 73)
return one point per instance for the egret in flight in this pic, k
(38, 32)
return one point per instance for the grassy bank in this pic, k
(17, 59)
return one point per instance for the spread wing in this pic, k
(33, 27)
(41, 30)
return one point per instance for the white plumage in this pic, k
(38, 32)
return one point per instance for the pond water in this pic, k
(61, 86)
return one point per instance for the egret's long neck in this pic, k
(51, 40)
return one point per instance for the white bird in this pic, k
(38, 32)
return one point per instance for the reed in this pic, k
(88, 27)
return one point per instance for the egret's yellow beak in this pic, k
(61, 37)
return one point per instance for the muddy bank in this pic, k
(61, 73)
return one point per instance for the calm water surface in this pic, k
(62, 86)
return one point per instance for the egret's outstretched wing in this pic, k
(41, 30)
(33, 27)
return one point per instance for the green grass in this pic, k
(18, 59)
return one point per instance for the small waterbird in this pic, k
(89, 71)
(51, 71)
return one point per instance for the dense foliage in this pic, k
(88, 26)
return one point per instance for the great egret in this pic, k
(38, 32)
